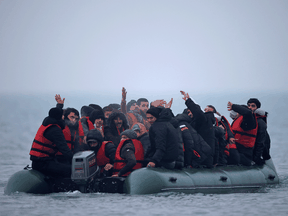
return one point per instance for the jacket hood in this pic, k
(96, 107)
(165, 115)
(260, 112)
(183, 117)
(210, 115)
(86, 110)
(48, 120)
(140, 127)
(114, 115)
(94, 134)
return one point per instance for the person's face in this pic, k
(118, 122)
(144, 106)
(73, 118)
(137, 132)
(124, 137)
(107, 113)
(150, 118)
(190, 113)
(98, 123)
(208, 109)
(93, 143)
(134, 106)
(252, 106)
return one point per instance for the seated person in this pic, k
(164, 139)
(116, 124)
(129, 154)
(143, 137)
(85, 123)
(47, 142)
(104, 151)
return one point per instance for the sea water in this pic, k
(20, 117)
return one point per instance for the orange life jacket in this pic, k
(245, 138)
(67, 134)
(119, 162)
(102, 160)
(42, 147)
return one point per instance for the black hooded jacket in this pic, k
(193, 141)
(111, 132)
(260, 141)
(202, 123)
(110, 148)
(180, 159)
(144, 139)
(55, 135)
(164, 139)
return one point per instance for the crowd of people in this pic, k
(129, 136)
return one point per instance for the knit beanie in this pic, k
(140, 127)
(95, 106)
(86, 110)
(107, 108)
(155, 111)
(96, 114)
(254, 100)
(115, 106)
(129, 133)
(55, 113)
(93, 135)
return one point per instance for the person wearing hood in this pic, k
(47, 142)
(163, 138)
(104, 151)
(85, 123)
(97, 118)
(230, 150)
(266, 151)
(129, 154)
(116, 124)
(221, 147)
(143, 137)
(201, 122)
(107, 111)
(196, 151)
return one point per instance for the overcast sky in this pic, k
(149, 47)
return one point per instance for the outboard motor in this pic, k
(85, 170)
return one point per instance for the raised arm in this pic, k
(123, 101)
(60, 102)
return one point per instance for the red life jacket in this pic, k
(42, 147)
(81, 131)
(102, 160)
(245, 138)
(67, 134)
(119, 162)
